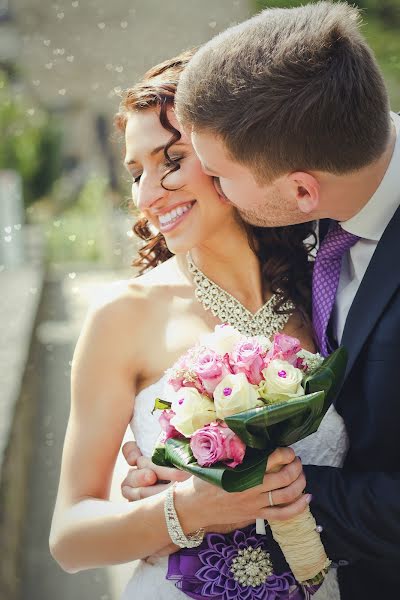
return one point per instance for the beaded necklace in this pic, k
(228, 309)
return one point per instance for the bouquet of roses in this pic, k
(230, 401)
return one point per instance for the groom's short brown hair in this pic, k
(290, 89)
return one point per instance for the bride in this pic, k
(194, 238)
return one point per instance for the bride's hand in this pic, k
(202, 504)
(240, 509)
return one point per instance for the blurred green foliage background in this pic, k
(30, 141)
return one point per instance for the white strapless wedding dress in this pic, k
(328, 447)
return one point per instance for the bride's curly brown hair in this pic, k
(284, 252)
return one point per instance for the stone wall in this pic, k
(18, 405)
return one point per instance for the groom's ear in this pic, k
(306, 190)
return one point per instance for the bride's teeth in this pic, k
(174, 214)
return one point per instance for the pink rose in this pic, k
(300, 364)
(210, 368)
(169, 430)
(182, 374)
(248, 358)
(217, 443)
(234, 447)
(284, 347)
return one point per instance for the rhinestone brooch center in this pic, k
(251, 567)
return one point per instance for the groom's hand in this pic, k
(145, 478)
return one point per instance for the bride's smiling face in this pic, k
(190, 211)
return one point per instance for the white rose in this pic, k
(264, 342)
(192, 411)
(223, 339)
(235, 394)
(282, 381)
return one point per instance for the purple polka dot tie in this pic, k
(326, 279)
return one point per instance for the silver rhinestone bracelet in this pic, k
(174, 527)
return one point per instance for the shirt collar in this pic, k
(371, 221)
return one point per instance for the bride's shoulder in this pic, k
(134, 298)
(165, 276)
(159, 285)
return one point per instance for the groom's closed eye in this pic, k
(217, 185)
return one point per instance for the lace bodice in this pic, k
(145, 426)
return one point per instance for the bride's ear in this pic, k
(305, 189)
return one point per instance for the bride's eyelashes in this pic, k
(166, 165)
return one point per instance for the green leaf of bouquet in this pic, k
(159, 458)
(160, 404)
(250, 473)
(329, 376)
(278, 424)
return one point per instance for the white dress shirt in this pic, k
(369, 224)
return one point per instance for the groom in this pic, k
(289, 113)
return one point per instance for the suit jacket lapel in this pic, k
(378, 285)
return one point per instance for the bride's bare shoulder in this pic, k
(165, 275)
(160, 284)
(133, 299)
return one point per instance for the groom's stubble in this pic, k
(275, 211)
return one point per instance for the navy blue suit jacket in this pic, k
(359, 506)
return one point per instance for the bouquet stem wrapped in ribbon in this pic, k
(231, 402)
